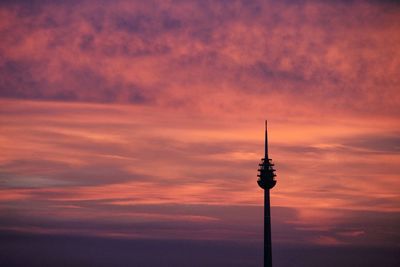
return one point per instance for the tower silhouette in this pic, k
(266, 180)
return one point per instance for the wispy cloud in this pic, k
(82, 162)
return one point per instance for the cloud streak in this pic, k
(172, 174)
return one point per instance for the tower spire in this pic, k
(266, 139)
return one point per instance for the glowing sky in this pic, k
(144, 120)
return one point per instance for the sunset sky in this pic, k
(131, 132)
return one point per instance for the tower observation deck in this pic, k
(266, 180)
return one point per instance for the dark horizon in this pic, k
(34, 250)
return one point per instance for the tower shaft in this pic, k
(267, 230)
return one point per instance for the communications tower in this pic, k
(266, 180)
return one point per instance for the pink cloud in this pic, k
(137, 120)
(306, 57)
